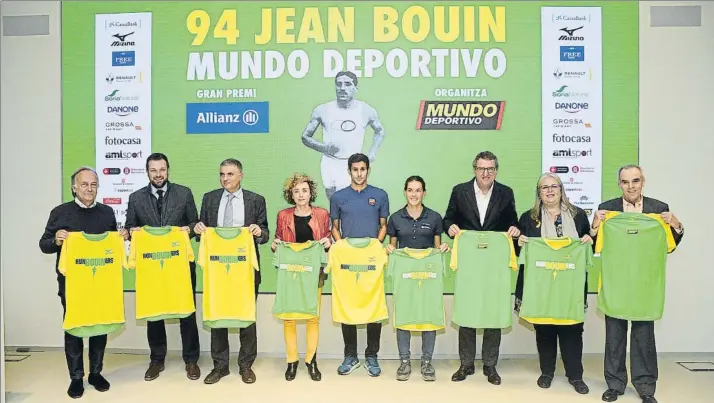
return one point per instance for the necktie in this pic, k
(160, 202)
(228, 214)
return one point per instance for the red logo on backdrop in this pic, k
(371, 202)
(111, 171)
(111, 200)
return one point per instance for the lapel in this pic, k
(153, 210)
(471, 198)
(647, 205)
(491, 204)
(215, 205)
(247, 208)
(619, 205)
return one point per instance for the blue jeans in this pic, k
(428, 339)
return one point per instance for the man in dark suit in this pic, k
(163, 203)
(481, 204)
(643, 351)
(233, 206)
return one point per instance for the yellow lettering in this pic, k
(440, 24)
(345, 26)
(283, 25)
(311, 27)
(487, 23)
(227, 27)
(408, 24)
(435, 109)
(266, 21)
(385, 27)
(469, 24)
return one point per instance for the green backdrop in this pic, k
(442, 157)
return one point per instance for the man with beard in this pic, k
(159, 204)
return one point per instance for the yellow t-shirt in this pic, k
(161, 257)
(229, 261)
(357, 266)
(92, 265)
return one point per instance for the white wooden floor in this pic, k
(42, 378)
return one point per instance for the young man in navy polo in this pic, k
(360, 211)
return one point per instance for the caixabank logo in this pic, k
(460, 115)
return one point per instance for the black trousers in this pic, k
(156, 333)
(349, 336)
(489, 349)
(220, 350)
(643, 356)
(74, 350)
(570, 338)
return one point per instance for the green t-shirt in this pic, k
(554, 276)
(633, 248)
(482, 290)
(298, 267)
(418, 288)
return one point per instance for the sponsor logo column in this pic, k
(122, 106)
(571, 52)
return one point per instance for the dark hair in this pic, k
(485, 155)
(348, 74)
(232, 161)
(415, 178)
(157, 157)
(356, 158)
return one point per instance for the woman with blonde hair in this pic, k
(553, 216)
(302, 223)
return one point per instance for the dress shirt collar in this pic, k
(629, 207)
(155, 191)
(478, 190)
(76, 200)
(238, 193)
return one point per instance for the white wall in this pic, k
(676, 87)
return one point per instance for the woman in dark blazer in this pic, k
(553, 216)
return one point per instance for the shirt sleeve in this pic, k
(64, 255)
(439, 226)
(331, 257)
(512, 263)
(455, 251)
(391, 227)
(276, 260)
(522, 256)
(390, 265)
(384, 206)
(600, 236)
(334, 208)
(253, 254)
(131, 259)
(588, 255)
(201, 261)
(189, 248)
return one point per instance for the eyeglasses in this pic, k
(551, 187)
(489, 170)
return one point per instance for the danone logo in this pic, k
(124, 110)
(571, 107)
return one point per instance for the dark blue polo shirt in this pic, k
(416, 234)
(359, 212)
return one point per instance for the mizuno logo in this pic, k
(122, 37)
(570, 33)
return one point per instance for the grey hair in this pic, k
(77, 172)
(629, 166)
(232, 161)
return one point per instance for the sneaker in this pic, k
(428, 373)
(372, 366)
(404, 371)
(348, 365)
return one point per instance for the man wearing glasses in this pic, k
(481, 204)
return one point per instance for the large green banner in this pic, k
(435, 83)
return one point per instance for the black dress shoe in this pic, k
(291, 371)
(215, 375)
(544, 381)
(76, 388)
(315, 374)
(648, 399)
(153, 371)
(611, 395)
(492, 374)
(98, 381)
(193, 372)
(579, 386)
(462, 373)
(247, 375)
